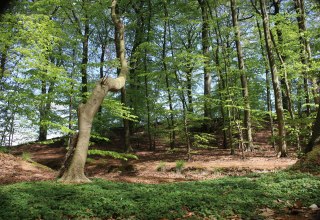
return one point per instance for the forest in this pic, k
(108, 107)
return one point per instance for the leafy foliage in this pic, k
(161, 166)
(203, 140)
(180, 164)
(4, 149)
(113, 154)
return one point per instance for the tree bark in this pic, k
(225, 86)
(146, 87)
(269, 103)
(183, 102)
(282, 146)
(86, 111)
(126, 129)
(315, 137)
(44, 110)
(165, 69)
(305, 51)
(221, 86)
(136, 61)
(102, 55)
(221, 81)
(286, 94)
(84, 62)
(3, 62)
(205, 52)
(189, 70)
(244, 81)
(126, 135)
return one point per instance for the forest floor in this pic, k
(36, 161)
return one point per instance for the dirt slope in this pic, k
(152, 166)
(15, 169)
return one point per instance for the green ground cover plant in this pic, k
(180, 164)
(102, 199)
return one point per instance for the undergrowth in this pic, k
(105, 200)
(4, 149)
(310, 162)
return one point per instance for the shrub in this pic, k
(161, 167)
(26, 156)
(180, 164)
(4, 149)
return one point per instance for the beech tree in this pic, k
(205, 51)
(282, 145)
(74, 171)
(243, 78)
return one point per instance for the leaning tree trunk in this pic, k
(282, 146)
(74, 173)
(286, 94)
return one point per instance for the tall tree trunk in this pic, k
(305, 51)
(221, 85)
(286, 94)
(283, 80)
(43, 111)
(84, 62)
(126, 129)
(148, 110)
(230, 111)
(244, 81)
(205, 52)
(226, 60)
(102, 55)
(74, 173)
(315, 137)
(221, 81)
(186, 127)
(165, 69)
(225, 80)
(45, 107)
(183, 101)
(3, 62)
(267, 72)
(282, 146)
(189, 70)
(43, 128)
(135, 60)
(189, 89)
(145, 67)
(70, 124)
